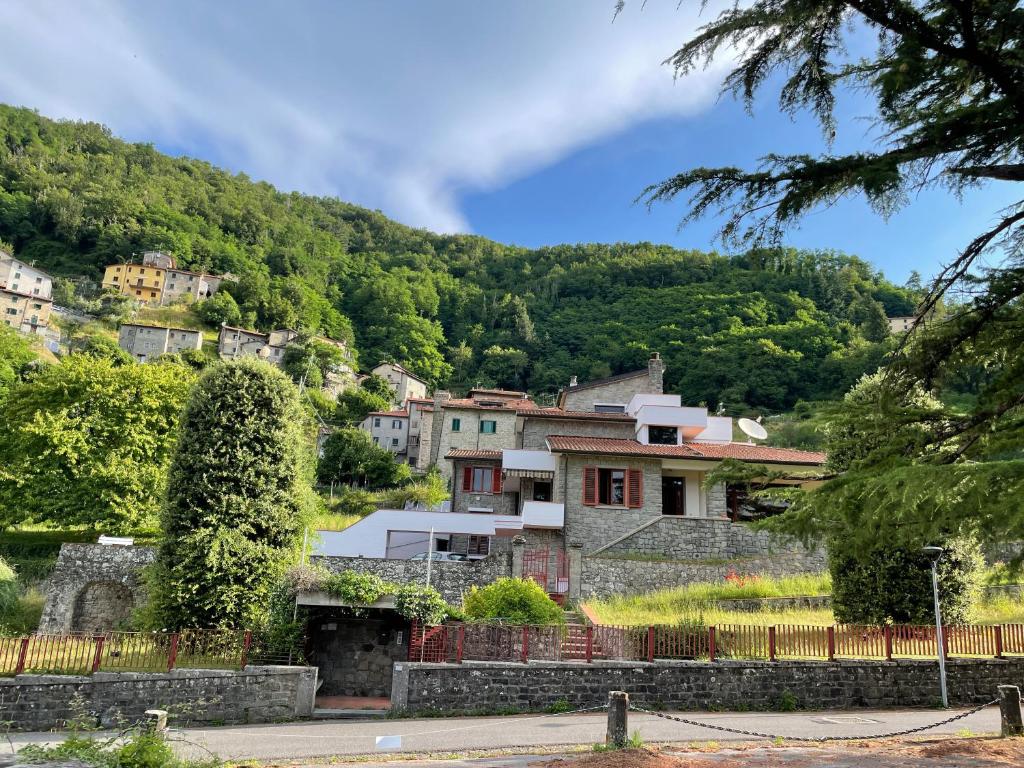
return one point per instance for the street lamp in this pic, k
(935, 554)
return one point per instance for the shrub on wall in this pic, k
(887, 583)
(237, 494)
(420, 603)
(513, 601)
(8, 587)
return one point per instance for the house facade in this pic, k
(421, 421)
(180, 283)
(19, 278)
(233, 343)
(147, 342)
(403, 383)
(157, 280)
(389, 429)
(24, 312)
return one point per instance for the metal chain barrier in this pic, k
(758, 735)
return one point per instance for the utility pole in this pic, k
(935, 554)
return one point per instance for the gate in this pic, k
(550, 570)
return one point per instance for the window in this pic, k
(608, 408)
(542, 490)
(481, 479)
(612, 487)
(138, 293)
(12, 311)
(662, 435)
(376, 440)
(396, 423)
(456, 425)
(488, 427)
(376, 422)
(39, 279)
(394, 442)
(479, 545)
(152, 295)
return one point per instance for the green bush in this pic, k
(514, 601)
(886, 583)
(8, 587)
(355, 588)
(422, 603)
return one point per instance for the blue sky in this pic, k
(529, 122)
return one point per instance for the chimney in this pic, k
(572, 381)
(656, 373)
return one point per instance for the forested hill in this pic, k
(762, 329)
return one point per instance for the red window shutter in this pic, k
(496, 481)
(634, 488)
(590, 486)
(467, 478)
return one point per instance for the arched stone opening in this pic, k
(102, 606)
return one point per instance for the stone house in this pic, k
(389, 429)
(24, 312)
(157, 280)
(148, 342)
(239, 342)
(421, 419)
(404, 383)
(179, 283)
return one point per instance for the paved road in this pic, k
(326, 738)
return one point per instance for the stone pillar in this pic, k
(618, 730)
(656, 373)
(1009, 711)
(518, 547)
(575, 570)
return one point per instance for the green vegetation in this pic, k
(351, 457)
(238, 495)
(458, 310)
(137, 748)
(512, 601)
(944, 426)
(889, 583)
(357, 590)
(98, 431)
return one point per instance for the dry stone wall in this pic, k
(94, 587)
(745, 685)
(252, 695)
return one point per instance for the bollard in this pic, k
(618, 706)
(1009, 711)
(156, 720)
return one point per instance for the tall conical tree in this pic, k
(235, 501)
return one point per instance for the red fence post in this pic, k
(590, 644)
(22, 656)
(711, 643)
(888, 643)
(246, 645)
(650, 643)
(526, 643)
(831, 643)
(999, 640)
(97, 657)
(771, 643)
(172, 652)
(460, 643)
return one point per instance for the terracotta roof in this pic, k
(160, 327)
(559, 413)
(419, 400)
(404, 414)
(473, 453)
(506, 405)
(25, 295)
(404, 370)
(509, 393)
(608, 380)
(762, 454)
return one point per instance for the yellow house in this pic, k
(142, 282)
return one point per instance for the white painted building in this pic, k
(389, 429)
(18, 277)
(403, 383)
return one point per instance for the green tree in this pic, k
(355, 403)
(378, 385)
(513, 601)
(947, 88)
(237, 494)
(219, 309)
(349, 456)
(100, 433)
(16, 357)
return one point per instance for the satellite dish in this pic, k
(752, 429)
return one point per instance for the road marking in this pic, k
(843, 719)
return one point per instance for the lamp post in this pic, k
(935, 554)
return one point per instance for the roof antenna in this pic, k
(721, 409)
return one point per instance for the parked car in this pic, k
(435, 556)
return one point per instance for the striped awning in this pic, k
(536, 474)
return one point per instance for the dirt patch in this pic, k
(623, 758)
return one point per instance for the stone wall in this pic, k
(94, 587)
(355, 655)
(491, 686)
(469, 435)
(596, 526)
(253, 695)
(607, 576)
(498, 503)
(536, 430)
(690, 538)
(451, 579)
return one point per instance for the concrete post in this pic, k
(1009, 711)
(518, 547)
(618, 731)
(156, 720)
(575, 570)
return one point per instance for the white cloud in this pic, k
(396, 105)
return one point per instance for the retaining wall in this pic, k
(687, 685)
(252, 695)
(450, 578)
